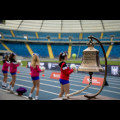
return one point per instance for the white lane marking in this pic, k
(70, 80)
(30, 87)
(76, 80)
(76, 76)
(48, 85)
(71, 84)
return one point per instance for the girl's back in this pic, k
(13, 66)
(6, 64)
(35, 71)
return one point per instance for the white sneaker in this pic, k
(8, 89)
(12, 92)
(3, 86)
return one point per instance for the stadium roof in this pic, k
(62, 25)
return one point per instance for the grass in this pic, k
(79, 62)
(72, 61)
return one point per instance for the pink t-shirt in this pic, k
(35, 72)
(13, 67)
(6, 64)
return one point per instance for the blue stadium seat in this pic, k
(97, 35)
(5, 32)
(1, 47)
(79, 50)
(42, 39)
(115, 52)
(116, 39)
(41, 49)
(67, 35)
(46, 34)
(100, 50)
(22, 33)
(59, 40)
(76, 40)
(105, 39)
(57, 48)
(8, 37)
(108, 34)
(19, 48)
(75, 50)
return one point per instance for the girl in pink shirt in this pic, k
(13, 70)
(6, 64)
(35, 72)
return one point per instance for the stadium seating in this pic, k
(97, 35)
(54, 36)
(108, 34)
(67, 35)
(1, 47)
(5, 32)
(44, 35)
(115, 52)
(57, 48)
(40, 48)
(100, 49)
(78, 50)
(39, 39)
(22, 33)
(59, 39)
(19, 48)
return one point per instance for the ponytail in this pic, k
(11, 57)
(62, 56)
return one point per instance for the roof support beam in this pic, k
(103, 25)
(20, 24)
(41, 25)
(61, 25)
(81, 25)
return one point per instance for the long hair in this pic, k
(62, 56)
(35, 61)
(11, 57)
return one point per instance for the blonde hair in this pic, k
(35, 61)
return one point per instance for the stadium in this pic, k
(49, 38)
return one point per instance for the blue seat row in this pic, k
(78, 50)
(115, 52)
(44, 35)
(21, 50)
(57, 48)
(40, 48)
(1, 47)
